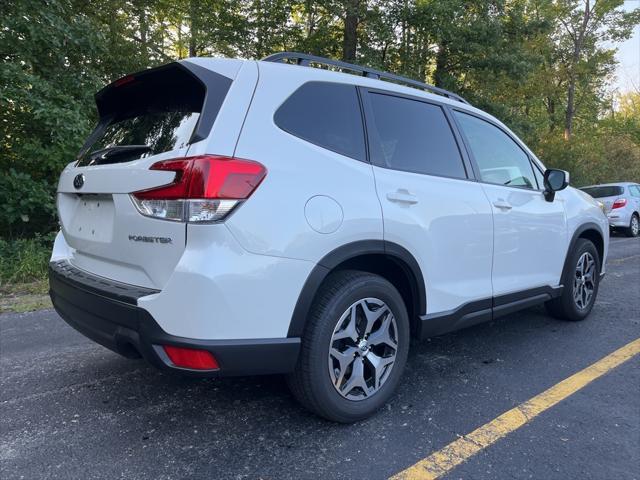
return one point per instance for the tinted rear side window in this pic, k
(326, 114)
(600, 192)
(413, 136)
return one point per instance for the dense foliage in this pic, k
(542, 66)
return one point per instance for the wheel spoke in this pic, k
(382, 336)
(344, 359)
(356, 379)
(372, 316)
(350, 329)
(379, 365)
(580, 267)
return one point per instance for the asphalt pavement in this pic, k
(72, 409)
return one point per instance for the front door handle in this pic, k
(502, 205)
(402, 196)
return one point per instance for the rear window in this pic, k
(327, 115)
(413, 136)
(600, 192)
(149, 113)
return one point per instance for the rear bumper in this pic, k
(107, 313)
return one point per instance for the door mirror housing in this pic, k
(554, 181)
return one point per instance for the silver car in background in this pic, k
(621, 204)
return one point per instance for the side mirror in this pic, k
(554, 181)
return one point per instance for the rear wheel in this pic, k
(634, 226)
(354, 348)
(581, 280)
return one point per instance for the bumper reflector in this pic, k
(191, 358)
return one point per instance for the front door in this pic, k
(530, 233)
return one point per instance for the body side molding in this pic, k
(484, 310)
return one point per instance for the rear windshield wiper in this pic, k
(106, 155)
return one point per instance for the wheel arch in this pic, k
(591, 232)
(387, 259)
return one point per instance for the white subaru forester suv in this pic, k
(236, 217)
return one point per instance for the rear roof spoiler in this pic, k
(121, 94)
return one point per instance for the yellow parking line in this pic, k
(457, 452)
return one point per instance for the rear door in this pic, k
(530, 233)
(155, 115)
(430, 205)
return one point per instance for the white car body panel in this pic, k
(221, 291)
(449, 231)
(530, 239)
(274, 221)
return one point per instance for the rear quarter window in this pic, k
(325, 114)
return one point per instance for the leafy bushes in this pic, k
(24, 259)
(600, 158)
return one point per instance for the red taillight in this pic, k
(205, 189)
(619, 203)
(191, 358)
(208, 176)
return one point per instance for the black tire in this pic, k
(564, 307)
(633, 230)
(311, 382)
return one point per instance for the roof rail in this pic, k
(306, 61)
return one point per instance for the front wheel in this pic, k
(354, 347)
(581, 280)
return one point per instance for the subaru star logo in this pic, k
(78, 181)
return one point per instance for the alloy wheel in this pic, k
(363, 349)
(584, 282)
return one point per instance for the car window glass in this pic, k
(539, 177)
(605, 191)
(413, 136)
(635, 190)
(499, 158)
(326, 114)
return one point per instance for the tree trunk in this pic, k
(441, 72)
(578, 43)
(570, 111)
(551, 112)
(311, 18)
(350, 39)
(193, 28)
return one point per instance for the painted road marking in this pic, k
(441, 462)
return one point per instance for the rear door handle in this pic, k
(402, 196)
(502, 205)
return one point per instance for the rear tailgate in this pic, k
(173, 111)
